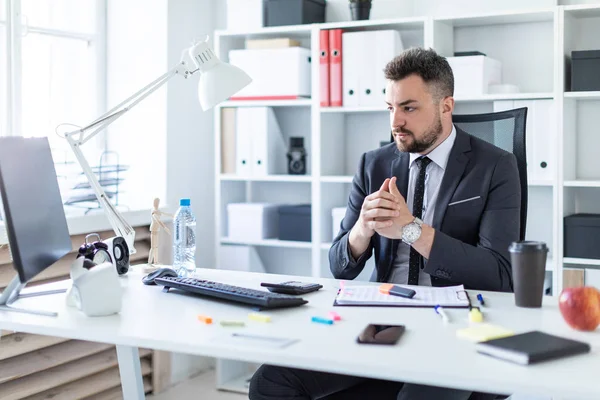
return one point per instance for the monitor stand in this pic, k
(12, 294)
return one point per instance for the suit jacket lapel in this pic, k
(455, 168)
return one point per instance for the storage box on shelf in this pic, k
(252, 221)
(277, 74)
(582, 236)
(294, 12)
(473, 75)
(295, 222)
(584, 70)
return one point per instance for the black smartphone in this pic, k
(380, 334)
(292, 287)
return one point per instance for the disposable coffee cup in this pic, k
(528, 260)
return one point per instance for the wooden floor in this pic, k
(201, 387)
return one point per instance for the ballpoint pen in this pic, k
(442, 313)
(480, 298)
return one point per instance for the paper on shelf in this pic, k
(450, 296)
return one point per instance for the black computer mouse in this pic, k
(159, 273)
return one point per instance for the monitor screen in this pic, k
(33, 211)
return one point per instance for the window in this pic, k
(53, 72)
(65, 64)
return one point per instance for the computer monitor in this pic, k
(35, 220)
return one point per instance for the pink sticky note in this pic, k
(334, 316)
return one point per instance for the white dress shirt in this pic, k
(433, 179)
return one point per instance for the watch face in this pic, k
(101, 256)
(411, 233)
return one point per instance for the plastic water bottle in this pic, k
(184, 240)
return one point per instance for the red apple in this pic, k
(580, 307)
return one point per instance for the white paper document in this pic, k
(450, 296)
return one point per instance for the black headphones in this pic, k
(97, 251)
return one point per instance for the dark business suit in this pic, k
(470, 247)
(472, 237)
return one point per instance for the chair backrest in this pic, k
(505, 129)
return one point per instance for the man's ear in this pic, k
(447, 105)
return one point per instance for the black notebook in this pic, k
(532, 347)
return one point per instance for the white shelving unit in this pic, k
(533, 46)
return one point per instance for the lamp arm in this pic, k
(116, 112)
(79, 137)
(115, 218)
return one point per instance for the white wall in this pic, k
(190, 143)
(190, 160)
(136, 56)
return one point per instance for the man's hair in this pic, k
(430, 66)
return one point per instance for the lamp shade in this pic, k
(218, 80)
(220, 83)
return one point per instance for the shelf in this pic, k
(267, 31)
(266, 178)
(581, 261)
(583, 10)
(337, 179)
(477, 99)
(269, 243)
(267, 103)
(354, 109)
(540, 182)
(583, 95)
(582, 183)
(497, 18)
(237, 385)
(379, 24)
(505, 96)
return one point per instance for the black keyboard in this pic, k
(238, 294)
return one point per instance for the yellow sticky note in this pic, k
(482, 332)
(259, 317)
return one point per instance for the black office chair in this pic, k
(505, 129)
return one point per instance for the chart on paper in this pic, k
(451, 296)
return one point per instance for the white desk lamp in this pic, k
(218, 82)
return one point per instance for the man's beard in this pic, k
(423, 144)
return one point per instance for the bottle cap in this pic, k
(184, 202)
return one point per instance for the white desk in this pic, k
(433, 354)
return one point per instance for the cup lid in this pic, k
(527, 245)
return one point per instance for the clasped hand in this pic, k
(385, 212)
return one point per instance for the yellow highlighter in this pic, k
(259, 317)
(475, 315)
(232, 323)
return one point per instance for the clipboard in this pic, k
(426, 297)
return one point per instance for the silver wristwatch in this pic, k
(412, 232)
